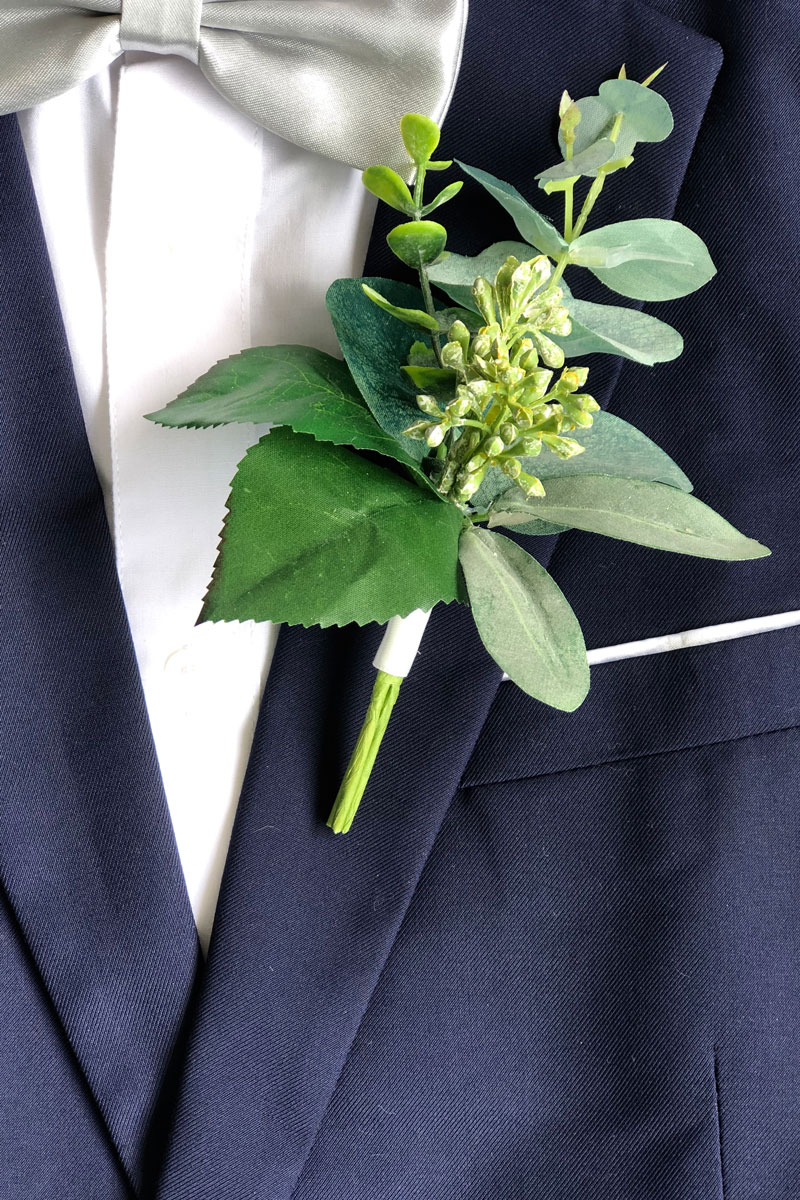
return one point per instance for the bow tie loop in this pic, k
(162, 27)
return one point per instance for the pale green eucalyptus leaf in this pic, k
(584, 163)
(632, 510)
(611, 447)
(524, 620)
(610, 329)
(317, 535)
(596, 123)
(456, 274)
(645, 259)
(535, 228)
(647, 115)
(298, 386)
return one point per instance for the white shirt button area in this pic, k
(163, 267)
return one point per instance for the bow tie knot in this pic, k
(162, 26)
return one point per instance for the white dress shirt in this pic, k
(179, 233)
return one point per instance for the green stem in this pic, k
(424, 282)
(384, 695)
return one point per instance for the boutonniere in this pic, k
(378, 492)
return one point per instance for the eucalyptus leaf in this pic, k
(612, 447)
(596, 123)
(308, 390)
(535, 228)
(524, 620)
(609, 329)
(316, 535)
(645, 259)
(632, 510)
(456, 274)
(647, 115)
(376, 347)
(584, 163)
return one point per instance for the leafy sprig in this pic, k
(473, 417)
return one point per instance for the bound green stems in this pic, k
(384, 695)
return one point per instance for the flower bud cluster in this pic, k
(507, 405)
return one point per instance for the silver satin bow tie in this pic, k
(334, 76)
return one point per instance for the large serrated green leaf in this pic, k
(632, 510)
(316, 535)
(298, 386)
(524, 620)
(456, 274)
(645, 259)
(611, 329)
(535, 228)
(376, 346)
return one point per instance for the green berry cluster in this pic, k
(507, 406)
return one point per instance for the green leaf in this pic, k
(612, 447)
(387, 185)
(416, 318)
(445, 194)
(596, 122)
(420, 136)
(535, 228)
(376, 347)
(633, 510)
(524, 620)
(645, 259)
(586, 162)
(609, 329)
(647, 115)
(434, 381)
(316, 535)
(299, 386)
(417, 243)
(456, 274)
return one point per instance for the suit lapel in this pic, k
(305, 920)
(87, 856)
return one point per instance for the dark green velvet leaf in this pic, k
(524, 620)
(376, 346)
(299, 386)
(316, 535)
(632, 510)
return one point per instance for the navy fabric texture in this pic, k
(558, 954)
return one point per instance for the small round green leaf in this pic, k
(417, 243)
(524, 620)
(420, 137)
(387, 185)
(445, 194)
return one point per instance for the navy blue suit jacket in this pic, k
(559, 955)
